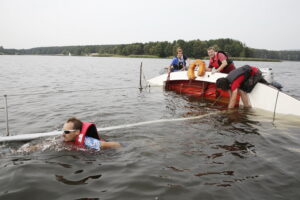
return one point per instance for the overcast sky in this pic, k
(266, 24)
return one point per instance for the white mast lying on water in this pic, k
(27, 137)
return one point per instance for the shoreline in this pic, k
(205, 58)
(150, 56)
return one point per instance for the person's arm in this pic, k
(28, 148)
(169, 72)
(245, 99)
(232, 99)
(170, 67)
(209, 68)
(234, 89)
(222, 66)
(187, 63)
(105, 145)
(223, 60)
(97, 144)
(184, 67)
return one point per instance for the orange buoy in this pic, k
(201, 69)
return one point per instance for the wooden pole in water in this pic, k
(141, 76)
(6, 115)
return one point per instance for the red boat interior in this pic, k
(199, 89)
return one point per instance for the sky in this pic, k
(262, 24)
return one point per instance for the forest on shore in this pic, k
(164, 49)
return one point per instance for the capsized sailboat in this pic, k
(262, 96)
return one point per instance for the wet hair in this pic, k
(77, 124)
(223, 83)
(214, 48)
(179, 49)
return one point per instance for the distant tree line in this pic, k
(193, 48)
(281, 55)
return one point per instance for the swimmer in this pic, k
(84, 134)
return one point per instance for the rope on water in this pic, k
(69, 91)
(27, 137)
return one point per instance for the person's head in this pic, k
(71, 129)
(211, 51)
(179, 52)
(223, 83)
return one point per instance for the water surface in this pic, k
(224, 155)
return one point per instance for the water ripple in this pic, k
(225, 155)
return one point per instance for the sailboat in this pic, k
(265, 97)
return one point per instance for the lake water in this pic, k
(223, 155)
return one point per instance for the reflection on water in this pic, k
(79, 182)
(218, 154)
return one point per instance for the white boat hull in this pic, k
(262, 96)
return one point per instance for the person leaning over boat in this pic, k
(84, 135)
(220, 61)
(241, 80)
(178, 62)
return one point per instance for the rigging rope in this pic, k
(27, 137)
(70, 91)
(275, 106)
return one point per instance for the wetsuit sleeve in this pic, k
(92, 143)
(237, 82)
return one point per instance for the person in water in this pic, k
(240, 81)
(220, 61)
(178, 63)
(84, 135)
